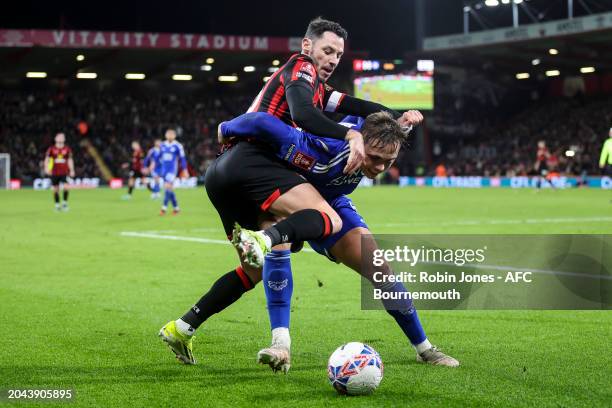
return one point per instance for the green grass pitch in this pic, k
(82, 304)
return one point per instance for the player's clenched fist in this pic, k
(410, 118)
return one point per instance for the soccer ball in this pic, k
(355, 369)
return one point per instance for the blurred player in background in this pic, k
(172, 153)
(541, 164)
(59, 164)
(153, 164)
(137, 169)
(605, 160)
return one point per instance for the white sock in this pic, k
(421, 347)
(184, 328)
(269, 245)
(280, 337)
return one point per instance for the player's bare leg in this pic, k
(348, 250)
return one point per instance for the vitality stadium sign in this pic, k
(116, 39)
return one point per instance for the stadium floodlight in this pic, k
(206, 67)
(135, 75)
(86, 75)
(265, 79)
(535, 61)
(491, 3)
(276, 63)
(36, 74)
(272, 69)
(210, 60)
(182, 77)
(518, 1)
(553, 73)
(80, 57)
(570, 153)
(522, 75)
(553, 51)
(249, 68)
(228, 78)
(587, 70)
(505, 1)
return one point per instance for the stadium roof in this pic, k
(567, 52)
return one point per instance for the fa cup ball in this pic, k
(355, 369)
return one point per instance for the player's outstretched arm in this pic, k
(359, 107)
(261, 126)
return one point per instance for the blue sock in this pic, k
(278, 286)
(166, 197)
(405, 314)
(173, 199)
(156, 187)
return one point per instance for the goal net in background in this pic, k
(5, 170)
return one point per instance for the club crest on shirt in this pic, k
(303, 161)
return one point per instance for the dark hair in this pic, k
(381, 129)
(319, 25)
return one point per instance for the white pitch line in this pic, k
(500, 222)
(476, 266)
(182, 238)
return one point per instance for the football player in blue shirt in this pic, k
(171, 155)
(152, 162)
(322, 161)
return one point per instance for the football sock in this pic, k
(156, 187)
(65, 195)
(280, 337)
(166, 197)
(404, 313)
(225, 291)
(303, 225)
(56, 197)
(130, 189)
(173, 199)
(278, 286)
(184, 328)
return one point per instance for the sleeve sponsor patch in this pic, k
(303, 161)
(304, 70)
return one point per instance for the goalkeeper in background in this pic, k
(605, 160)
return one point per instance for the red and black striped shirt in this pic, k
(300, 69)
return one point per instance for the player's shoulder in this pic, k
(301, 62)
(299, 58)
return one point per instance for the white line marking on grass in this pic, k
(500, 222)
(475, 266)
(149, 234)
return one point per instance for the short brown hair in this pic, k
(380, 128)
(319, 25)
